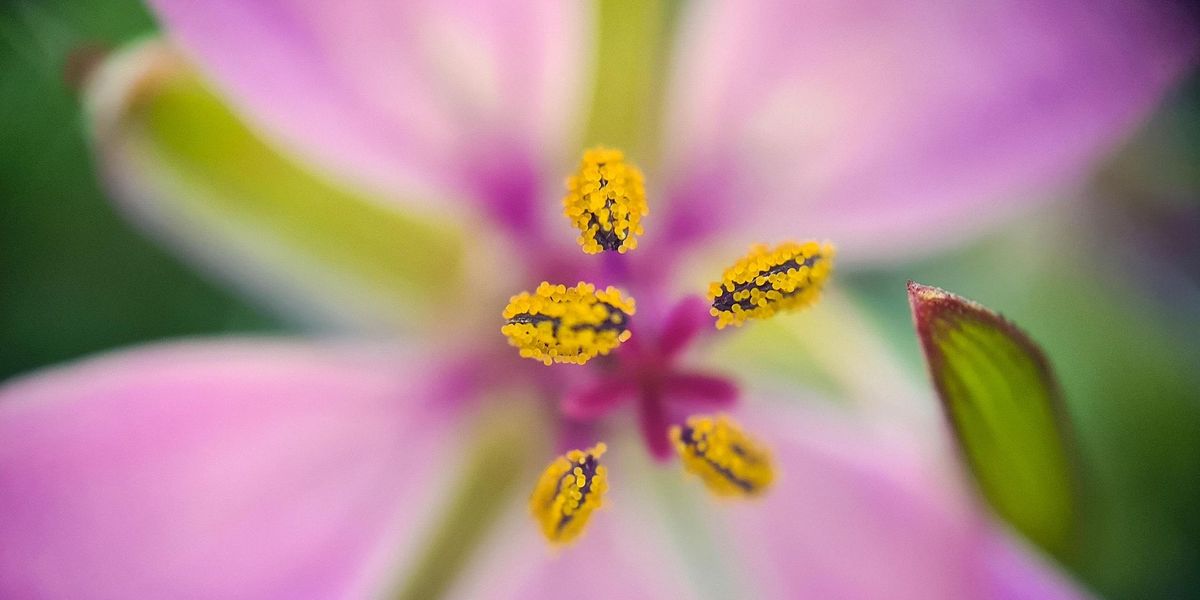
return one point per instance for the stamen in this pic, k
(567, 325)
(569, 490)
(606, 200)
(767, 281)
(728, 461)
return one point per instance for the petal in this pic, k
(855, 515)
(400, 94)
(863, 121)
(1013, 571)
(184, 167)
(231, 469)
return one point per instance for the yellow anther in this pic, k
(606, 200)
(769, 280)
(570, 489)
(567, 325)
(728, 461)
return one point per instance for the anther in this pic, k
(567, 325)
(606, 200)
(570, 489)
(769, 280)
(728, 461)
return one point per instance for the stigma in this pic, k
(727, 460)
(770, 280)
(570, 489)
(606, 200)
(557, 324)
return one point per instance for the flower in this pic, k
(284, 468)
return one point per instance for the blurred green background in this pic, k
(1109, 284)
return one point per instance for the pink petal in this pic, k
(865, 121)
(230, 469)
(421, 94)
(1011, 570)
(852, 516)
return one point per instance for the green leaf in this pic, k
(1006, 409)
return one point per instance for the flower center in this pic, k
(605, 201)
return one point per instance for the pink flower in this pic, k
(252, 468)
